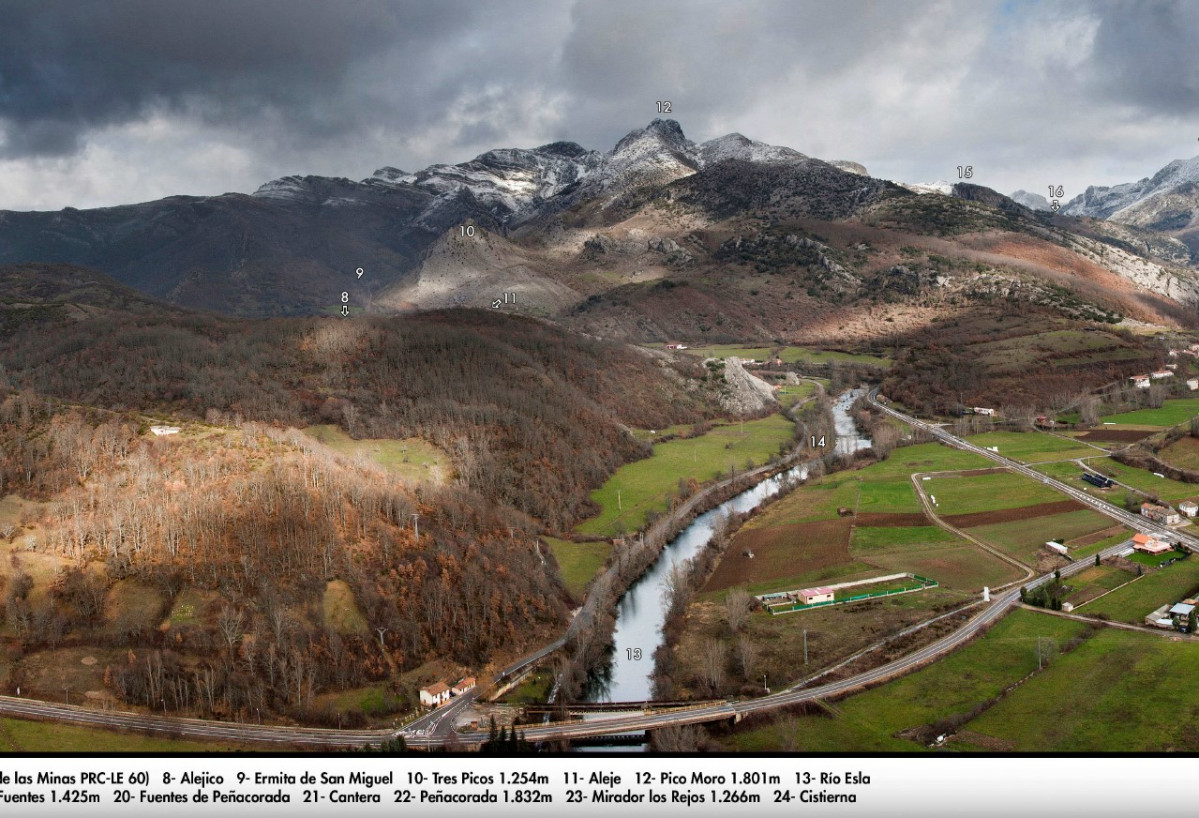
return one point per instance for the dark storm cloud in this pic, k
(135, 99)
(1147, 55)
(68, 67)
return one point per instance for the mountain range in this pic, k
(657, 237)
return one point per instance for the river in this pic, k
(642, 610)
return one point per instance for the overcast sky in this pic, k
(131, 100)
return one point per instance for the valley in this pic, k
(241, 484)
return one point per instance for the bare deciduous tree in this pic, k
(736, 608)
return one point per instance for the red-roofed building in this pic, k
(434, 695)
(810, 596)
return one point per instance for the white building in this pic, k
(1189, 508)
(160, 431)
(1160, 514)
(434, 695)
(810, 596)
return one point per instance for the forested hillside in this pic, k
(531, 415)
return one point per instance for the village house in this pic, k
(1189, 508)
(1192, 384)
(463, 686)
(1149, 545)
(434, 695)
(1160, 514)
(983, 410)
(1140, 381)
(1158, 374)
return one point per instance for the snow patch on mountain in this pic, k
(940, 186)
(736, 146)
(1113, 202)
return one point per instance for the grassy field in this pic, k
(800, 540)
(789, 354)
(1095, 581)
(340, 609)
(816, 356)
(1173, 412)
(964, 567)
(954, 685)
(1080, 551)
(1163, 487)
(191, 606)
(1024, 350)
(1024, 539)
(886, 487)
(1138, 599)
(832, 633)
(19, 736)
(411, 458)
(870, 540)
(987, 492)
(373, 700)
(534, 689)
(647, 485)
(578, 562)
(1033, 447)
(1183, 453)
(794, 393)
(1094, 699)
(131, 601)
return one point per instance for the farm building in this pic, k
(1181, 613)
(434, 695)
(1057, 547)
(1188, 508)
(1193, 384)
(810, 596)
(463, 685)
(1157, 375)
(983, 410)
(1140, 381)
(1148, 545)
(1160, 514)
(162, 431)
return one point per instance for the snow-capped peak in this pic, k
(939, 186)
(736, 146)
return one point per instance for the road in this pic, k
(1134, 521)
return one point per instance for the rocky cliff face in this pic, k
(743, 393)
